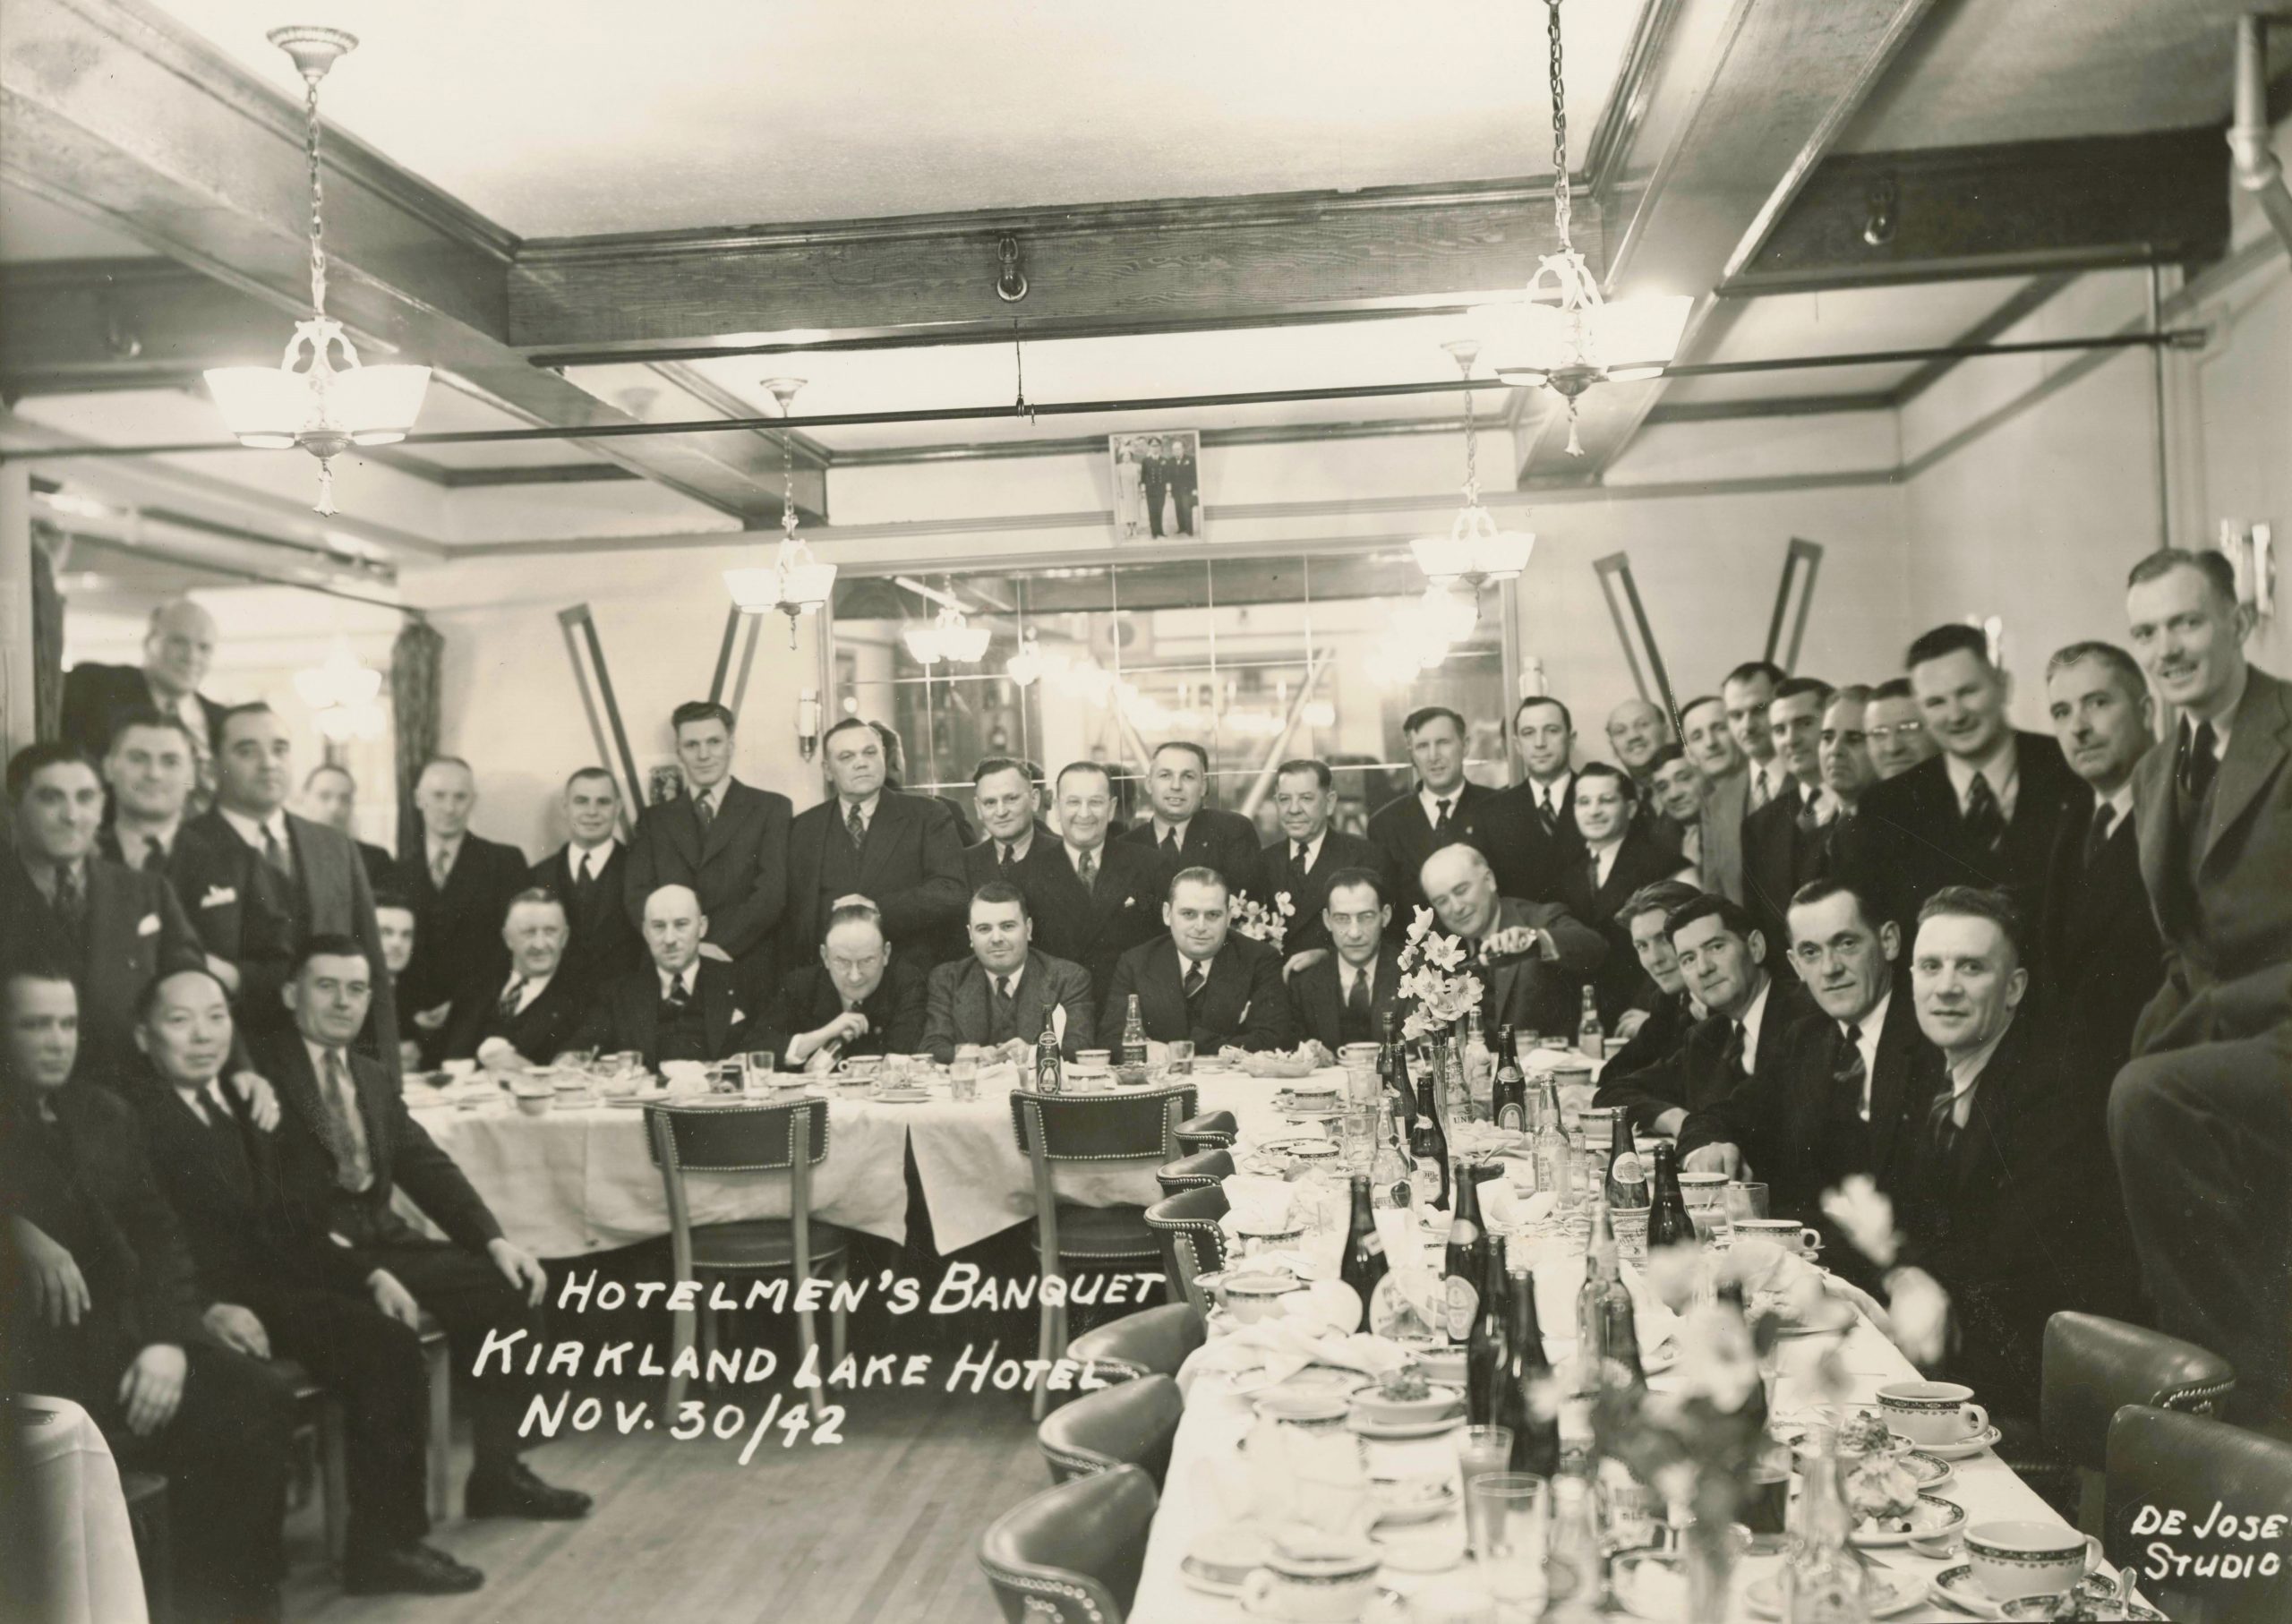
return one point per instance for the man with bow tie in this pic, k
(530, 1018)
(860, 997)
(680, 1006)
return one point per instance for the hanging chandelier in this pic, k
(1027, 664)
(795, 583)
(1563, 335)
(319, 397)
(344, 695)
(1475, 551)
(950, 636)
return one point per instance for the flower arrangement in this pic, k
(1261, 923)
(1436, 990)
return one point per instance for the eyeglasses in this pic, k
(1906, 729)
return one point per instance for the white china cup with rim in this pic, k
(2016, 1558)
(1932, 1412)
(1313, 1587)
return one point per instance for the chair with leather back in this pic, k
(1055, 1128)
(1130, 1425)
(754, 1141)
(1192, 1172)
(2093, 1367)
(1191, 1242)
(1151, 1342)
(2160, 1463)
(1210, 1131)
(1071, 1554)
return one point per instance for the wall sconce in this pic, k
(808, 723)
(2251, 549)
(1992, 628)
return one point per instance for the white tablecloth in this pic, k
(86, 1551)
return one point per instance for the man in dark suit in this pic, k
(270, 1285)
(901, 852)
(394, 927)
(460, 884)
(680, 1006)
(725, 840)
(1745, 1032)
(1745, 694)
(1154, 476)
(1620, 857)
(1183, 833)
(2201, 1119)
(1896, 729)
(101, 1308)
(1785, 843)
(1003, 993)
(178, 646)
(1304, 794)
(331, 797)
(533, 1017)
(1657, 1031)
(1184, 484)
(110, 929)
(1202, 983)
(1443, 808)
(1671, 806)
(1344, 996)
(258, 882)
(1982, 813)
(1709, 741)
(346, 1142)
(589, 874)
(1008, 796)
(1092, 899)
(860, 997)
(1535, 958)
(151, 767)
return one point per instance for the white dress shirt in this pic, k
(497, 1048)
(1603, 855)
(1010, 978)
(590, 859)
(2001, 768)
(1554, 794)
(1167, 831)
(443, 854)
(685, 980)
(353, 1118)
(1348, 973)
(867, 805)
(1432, 803)
(1312, 850)
(715, 794)
(1769, 776)
(253, 830)
(1750, 1022)
(207, 1102)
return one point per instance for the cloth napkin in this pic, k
(1288, 1476)
(1260, 1203)
(1267, 1352)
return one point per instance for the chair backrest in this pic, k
(1129, 1424)
(2160, 1463)
(1125, 1126)
(789, 1138)
(1210, 1131)
(1192, 1172)
(1071, 1554)
(1151, 1342)
(1192, 1244)
(2094, 1367)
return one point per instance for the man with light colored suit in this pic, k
(1711, 746)
(2201, 1119)
(1003, 993)
(1534, 957)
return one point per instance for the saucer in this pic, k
(903, 1096)
(1394, 1511)
(1890, 1592)
(1957, 1586)
(1959, 1450)
(1393, 1430)
(1932, 1516)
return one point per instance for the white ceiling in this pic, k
(556, 119)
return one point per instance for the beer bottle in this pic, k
(1363, 1262)
(1132, 1058)
(1599, 1263)
(1385, 1049)
(1050, 1069)
(1589, 1038)
(1510, 1099)
(1428, 1144)
(1519, 1405)
(1465, 1258)
(1620, 1333)
(1627, 1180)
(1490, 1350)
(1389, 1168)
(1668, 1223)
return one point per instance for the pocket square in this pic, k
(218, 896)
(148, 926)
(738, 1016)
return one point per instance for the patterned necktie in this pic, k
(1731, 1058)
(2097, 838)
(441, 862)
(704, 814)
(1195, 980)
(1942, 1122)
(352, 1170)
(275, 853)
(1985, 818)
(71, 896)
(1006, 1021)
(2199, 761)
(1299, 861)
(1849, 1076)
(855, 824)
(1086, 870)
(1442, 821)
(1759, 792)
(509, 999)
(1592, 863)
(1545, 813)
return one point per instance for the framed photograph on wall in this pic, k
(1157, 484)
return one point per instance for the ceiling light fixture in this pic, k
(795, 583)
(319, 397)
(1475, 551)
(1563, 334)
(1027, 664)
(343, 696)
(951, 638)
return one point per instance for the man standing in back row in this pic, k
(1441, 808)
(178, 646)
(1187, 835)
(589, 874)
(460, 884)
(903, 853)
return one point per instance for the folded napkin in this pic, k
(1259, 1202)
(1266, 1353)
(1506, 1209)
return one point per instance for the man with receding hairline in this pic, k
(1635, 732)
(178, 648)
(861, 996)
(680, 1006)
(1534, 957)
(460, 884)
(1091, 899)
(1202, 981)
(1710, 744)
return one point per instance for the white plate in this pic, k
(1931, 1471)
(657, 1096)
(1200, 1579)
(1932, 1517)
(1959, 1450)
(1258, 1610)
(904, 1096)
(1890, 1592)
(1401, 1514)
(1389, 1431)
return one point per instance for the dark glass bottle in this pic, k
(1509, 1101)
(1363, 1262)
(1668, 1223)
(1619, 1332)
(1730, 1296)
(1428, 1147)
(1489, 1352)
(1467, 1258)
(1050, 1068)
(1519, 1406)
(1385, 1052)
(1627, 1180)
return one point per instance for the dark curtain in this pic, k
(47, 639)
(414, 662)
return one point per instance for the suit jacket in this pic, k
(809, 999)
(912, 867)
(239, 908)
(958, 999)
(1532, 994)
(1308, 889)
(541, 1031)
(2099, 946)
(605, 942)
(135, 929)
(1093, 928)
(1317, 993)
(95, 698)
(739, 872)
(1908, 839)
(1401, 831)
(625, 1014)
(1778, 857)
(979, 863)
(1529, 864)
(1214, 839)
(458, 931)
(107, 847)
(381, 867)
(1696, 1076)
(1242, 1006)
(2229, 935)
(1660, 1036)
(1726, 803)
(1640, 859)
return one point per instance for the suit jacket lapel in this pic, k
(732, 811)
(882, 830)
(1032, 1006)
(644, 1011)
(1325, 993)
(715, 1009)
(2256, 750)
(299, 1085)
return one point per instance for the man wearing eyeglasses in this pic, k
(1896, 732)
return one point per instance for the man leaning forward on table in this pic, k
(1343, 998)
(1005, 993)
(345, 1142)
(1202, 983)
(680, 1006)
(1534, 957)
(860, 999)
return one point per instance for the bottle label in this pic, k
(1373, 1245)
(1462, 1306)
(1403, 1195)
(1626, 1171)
(1513, 1116)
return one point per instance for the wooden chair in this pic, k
(1071, 1554)
(439, 1360)
(788, 1140)
(2093, 1367)
(319, 1418)
(146, 1494)
(1054, 1128)
(1210, 1131)
(1151, 1342)
(2160, 1461)
(1131, 1424)
(1192, 1172)
(1191, 1242)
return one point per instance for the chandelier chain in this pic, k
(1560, 201)
(318, 196)
(1472, 445)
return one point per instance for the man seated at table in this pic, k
(859, 998)
(1004, 993)
(1534, 957)
(532, 1017)
(680, 1006)
(100, 1308)
(272, 1285)
(1656, 1030)
(1746, 1032)
(346, 1142)
(394, 935)
(1203, 983)
(1345, 995)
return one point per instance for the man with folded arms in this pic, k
(1093, 899)
(902, 853)
(1344, 996)
(1003, 993)
(151, 767)
(271, 1285)
(680, 1006)
(1896, 729)
(858, 997)
(1443, 806)
(1656, 1029)
(589, 874)
(1203, 983)
(1534, 957)
(1185, 834)
(531, 1018)
(345, 1145)
(1305, 797)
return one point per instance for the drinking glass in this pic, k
(1504, 1521)
(757, 1072)
(962, 1077)
(1179, 1052)
(1744, 1201)
(1482, 1451)
(1360, 1137)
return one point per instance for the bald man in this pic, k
(1535, 958)
(178, 646)
(680, 1006)
(1635, 732)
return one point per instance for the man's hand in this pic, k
(1321, 1057)
(1667, 1123)
(393, 1299)
(709, 950)
(236, 1326)
(1303, 961)
(152, 1388)
(1628, 1024)
(409, 1055)
(845, 1028)
(59, 1290)
(1508, 943)
(1018, 1051)
(1714, 1158)
(432, 1020)
(225, 971)
(262, 1099)
(518, 1267)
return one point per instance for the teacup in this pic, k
(1097, 1060)
(1325, 1581)
(533, 1099)
(2025, 1559)
(1315, 1152)
(1256, 1297)
(1931, 1412)
(1309, 1097)
(1783, 1232)
(1703, 1188)
(460, 1071)
(860, 1066)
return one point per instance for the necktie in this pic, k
(1442, 821)
(1299, 860)
(509, 999)
(1943, 1125)
(675, 999)
(1006, 1014)
(1195, 978)
(585, 877)
(1170, 843)
(155, 856)
(1545, 814)
(2097, 838)
(1592, 862)
(1760, 796)
(1731, 1059)
(855, 824)
(1005, 857)
(1086, 870)
(1809, 818)
(705, 814)
(1985, 818)
(442, 861)
(1849, 1076)
(352, 1170)
(71, 895)
(1356, 1002)
(275, 853)
(2199, 761)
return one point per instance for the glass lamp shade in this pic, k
(261, 406)
(1475, 550)
(1644, 330)
(1564, 328)
(950, 638)
(274, 408)
(342, 683)
(795, 583)
(378, 404)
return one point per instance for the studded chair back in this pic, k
(1210, 1131)
(1129, 1424)
(1071, 1554)
(2094, 1367)
(1151, 1342)
(2160, 1463)
(1192, 1172)
(1192, 1244)
(1100, 1127)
